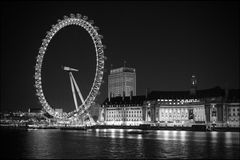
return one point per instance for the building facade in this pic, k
(232, 107)
(233, 114)
(186, 108)
(210, 107)
(179, 114)
(122, 82)
(123, 111)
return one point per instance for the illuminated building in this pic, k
(211, 107)
(233, 114)
(123, 110)
(232, 108)
(181, 108)
(122, 82)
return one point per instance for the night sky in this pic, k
(166, 42)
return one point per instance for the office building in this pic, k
(122, 82)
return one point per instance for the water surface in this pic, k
(118, 143)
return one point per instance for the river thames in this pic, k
(118, 143)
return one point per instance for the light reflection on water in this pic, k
(165, 135)
(182, 136)
(118, 143)
(228, 137)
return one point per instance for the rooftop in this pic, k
(126, 100)
(122, 69)
(232, 95)
(207, 93)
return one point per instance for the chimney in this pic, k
(131, 94)
(110, 96)
(123, 95)
(226, 93)
(146, 94)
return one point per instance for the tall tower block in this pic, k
(122, 82)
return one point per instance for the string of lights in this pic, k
(83, 22)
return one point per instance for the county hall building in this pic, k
(213, 106)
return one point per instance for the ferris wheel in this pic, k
(83, 22)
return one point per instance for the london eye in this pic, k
(79, 110)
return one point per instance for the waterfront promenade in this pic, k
(144, 127)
